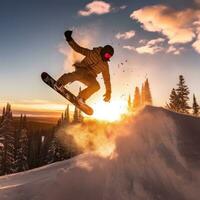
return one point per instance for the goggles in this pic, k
(107, 56)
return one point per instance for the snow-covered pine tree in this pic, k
(137, 99)
(147, 93)
(2, 142)
(46, 142)
(21, 145)
(56, 151)
(50, 156)
(183, 95)
(35, 141)
(173, 101)
(195, 106)
(8, 131)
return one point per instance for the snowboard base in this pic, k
(66, 94)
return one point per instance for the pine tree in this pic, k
(137, 99)
(56, 151)
(76, 116)
(1, 155)
(147, 93)
(50, 157)
(143, 95)
(174, 101)
(183, 95)
(129, 103)
(7, 129)
(62, 117)
(34, 142)
(195, 107)
(3, 114)
(80, 116)
(21, 146)
(67, 115)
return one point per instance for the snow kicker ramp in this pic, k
(156, 157)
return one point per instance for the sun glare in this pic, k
(109, 111)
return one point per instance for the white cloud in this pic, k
(148, 49)
(196, 45)
(126, 35)
(155, 41)
(171, 49)
(151, 47)
(176, 25)
(143, 41)
(174, 50)
(132, 48)
(96, 7)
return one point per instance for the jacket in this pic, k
(93, 62)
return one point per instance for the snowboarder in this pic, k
(95, 62)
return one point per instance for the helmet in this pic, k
(107, 52)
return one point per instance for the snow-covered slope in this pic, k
(156, 157)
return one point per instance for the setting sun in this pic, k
(109, 111)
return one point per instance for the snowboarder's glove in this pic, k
(68, 35)
(107, 97)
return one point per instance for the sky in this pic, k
(153, 39)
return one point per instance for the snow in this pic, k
(156, 157)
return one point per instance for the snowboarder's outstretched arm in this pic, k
(106, 78)
(74, 45)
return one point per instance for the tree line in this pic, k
(141, 98)
(22, 148)
(179, 99)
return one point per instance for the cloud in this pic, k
(197, 1)
(150, 47)
(196, 45)
(155, 41)
(96, 7)
(174, 50)
(132, 48)
(176, 25)
(82, 36)
(143, 41)
(126, 35)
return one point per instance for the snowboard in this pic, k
(66, 94)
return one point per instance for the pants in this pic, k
(84, 76)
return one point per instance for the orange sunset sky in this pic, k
(158, 40)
